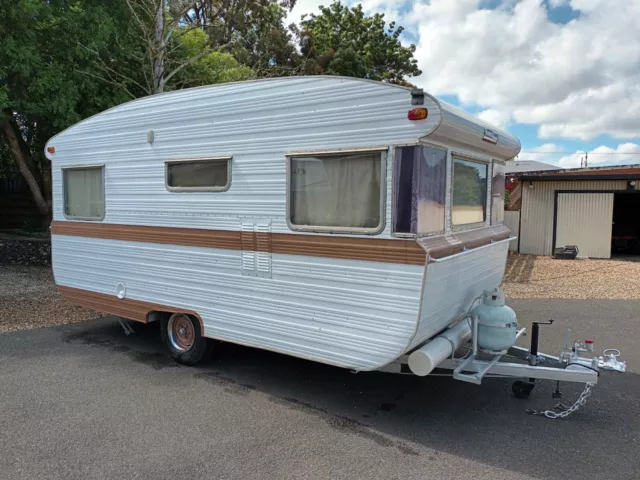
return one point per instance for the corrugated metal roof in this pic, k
(528, 166)
(619, 172)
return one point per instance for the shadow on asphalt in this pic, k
(484, 423)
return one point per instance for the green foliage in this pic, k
(44, 72)
(215, 67)
(360, 45)
(64, 60)
(347, 62)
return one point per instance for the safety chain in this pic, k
(564, 410)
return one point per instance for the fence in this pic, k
(512, 221)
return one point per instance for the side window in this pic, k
(337, 192)
(497, 192)
(83, 193)
(469, 192)
(206, 175)
(419, 186)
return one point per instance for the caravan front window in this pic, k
(419, 186)
(341, 192)
(469, 202)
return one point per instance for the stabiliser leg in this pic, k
(523, 389)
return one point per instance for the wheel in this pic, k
(183, 340)
(522, 389)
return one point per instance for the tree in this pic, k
(171, 36)
(344, 41)
(214, 67)
(253, 31)
(62, 61)
(42, 89)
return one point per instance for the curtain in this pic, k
(84, 192)
(198, 174)
(420, 175)
(337, 191)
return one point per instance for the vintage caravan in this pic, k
(340, 220)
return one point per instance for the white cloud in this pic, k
(495, 117)
(577, 80)
(305, 7)
(543, 153)
(624, 154)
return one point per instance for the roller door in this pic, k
(585, 219)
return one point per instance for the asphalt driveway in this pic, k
(85, 401)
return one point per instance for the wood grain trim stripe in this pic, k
(193, 237)
(329, 246)
(350, 248)
(127, 308)
(447, 245)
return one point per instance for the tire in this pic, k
(522, 389)
(183, 340)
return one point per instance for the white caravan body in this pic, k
(125, 241)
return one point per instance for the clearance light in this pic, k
(51, 149)
(418, 114)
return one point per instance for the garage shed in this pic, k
(597, 209)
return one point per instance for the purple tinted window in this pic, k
(420, 174)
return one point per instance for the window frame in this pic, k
(383, 151)
(503, 163)
(222, 158)
(92, 166)
(487, 203)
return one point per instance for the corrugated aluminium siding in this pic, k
(536, 225)
(584, 219)
(255, 122)
(512, 221)
(349, 313)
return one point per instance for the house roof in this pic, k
(528, 166)
(618, 172)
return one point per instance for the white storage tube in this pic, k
(426, 358)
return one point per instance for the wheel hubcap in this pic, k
(181, 332)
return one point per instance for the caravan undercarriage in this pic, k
(474, 364)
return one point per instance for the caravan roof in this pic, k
(319, 93)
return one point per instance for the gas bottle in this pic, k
(497, 323)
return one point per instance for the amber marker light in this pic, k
(418, 114)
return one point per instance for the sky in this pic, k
(562, 75)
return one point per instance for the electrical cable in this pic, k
(581, 365)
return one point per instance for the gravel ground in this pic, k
(528, 276)
(29, 299)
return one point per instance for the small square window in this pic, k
(209, 175)
(83, 193)
(469, 202)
